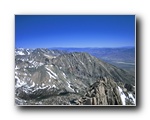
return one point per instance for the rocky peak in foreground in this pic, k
(107, 92)
(53, 77)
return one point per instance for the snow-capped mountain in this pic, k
(55, 77)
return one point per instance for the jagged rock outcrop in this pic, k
(105, 92)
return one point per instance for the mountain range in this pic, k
(66, 77)
(122, 57)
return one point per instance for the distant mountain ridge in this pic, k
(121, 53)
(122, 57)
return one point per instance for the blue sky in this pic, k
(46, 31)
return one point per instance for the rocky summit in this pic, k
(106, 92)
(55, 77)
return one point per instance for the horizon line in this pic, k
(75, 47)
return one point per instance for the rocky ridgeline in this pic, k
(106, 92)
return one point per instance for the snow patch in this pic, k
(25, 74)
(131, 97)
(50, 75)
(19, 83)
(39, 87)
(82, 63)
(47, 55)
(31, 66)
(64, 75)
(31, 61)
(33, 84)
(53, 52)
(54, 74)
(16, 73)
(40, 64)
(19, 53)
(35, 63)
(89, 60)
(54, 86)
(42, 87)
(28, 52)
(122, 95)
(69, 86)
(16, 67)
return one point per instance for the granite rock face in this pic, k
(106, 92)
(53, 77)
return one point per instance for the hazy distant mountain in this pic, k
(56, 77)
(123, 57)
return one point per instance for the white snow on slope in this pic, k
(64, 75)
(31, 61)
(50, 75)
(31, 66)
(32, 85)
(40, 64)
(42, 87)
(69, 86)
(46, 55)
(54, 74)
(122, 95)
(53, 52)
(16, 67)
(19, 83)
(16, 73)
(54, 86)
(49, 56)
(39, 87)
(35, 63)
(82, 63)
(19, 53)
(28, 52)
(21, 101)
(25, 74)
(131, 97)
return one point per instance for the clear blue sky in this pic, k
(46, 31)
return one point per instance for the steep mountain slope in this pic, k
(123, 57)
(51, 77)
